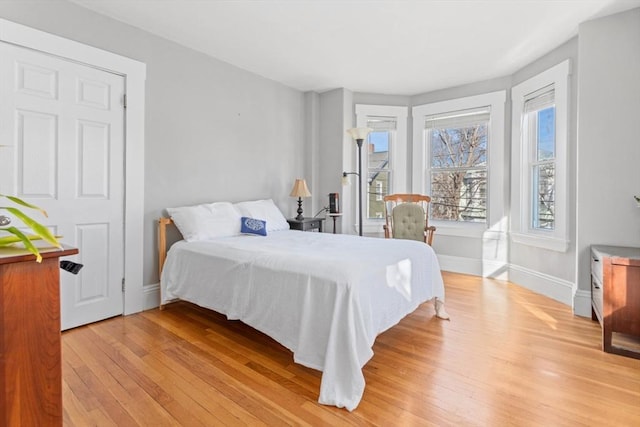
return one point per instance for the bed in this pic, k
(323, 296)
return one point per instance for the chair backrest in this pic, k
(408, 222)
(415, 222)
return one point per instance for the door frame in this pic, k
(134, 73)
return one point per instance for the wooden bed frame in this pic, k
(162, 242)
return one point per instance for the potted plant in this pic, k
(13, 235)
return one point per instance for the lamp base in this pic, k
(300, 217)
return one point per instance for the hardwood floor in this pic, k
(507, 357)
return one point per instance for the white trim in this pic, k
(582, 303)
(461, 265)
(557, 239)
(473, 266)
(558, 289)
(134, 73)
(151, 296)
(496, 209)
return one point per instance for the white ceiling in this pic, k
(377, 46)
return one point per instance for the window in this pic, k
(455, 145)
(384, 156)
(539, 137)
(539, 161)
(379, 172)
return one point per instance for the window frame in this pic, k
(397, 156)
(522, 193)
(495, 161)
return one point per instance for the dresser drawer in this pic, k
(596, 296)
(596, 266)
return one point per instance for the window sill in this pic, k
(544, 242)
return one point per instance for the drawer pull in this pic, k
(596, 286)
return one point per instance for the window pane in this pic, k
(546, 143)
(459, 195)
(378, 151)
(459, 147)
(378, 186)
(544, 188)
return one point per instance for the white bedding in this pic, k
(323, 296)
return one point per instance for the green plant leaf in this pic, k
(9, 240)
(21, 202)
(25, 240)
(38, 228)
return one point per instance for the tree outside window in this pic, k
(458, 156)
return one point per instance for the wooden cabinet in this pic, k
(30, 352)
(615, 297)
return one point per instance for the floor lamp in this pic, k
(359, 135)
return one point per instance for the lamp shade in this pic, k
(359, 133)
(300, 189)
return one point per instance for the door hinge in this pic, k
(123, 284)
(124, 100)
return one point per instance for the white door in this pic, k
(62, 132)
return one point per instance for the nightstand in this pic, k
(306, 224)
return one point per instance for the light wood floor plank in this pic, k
(507, 357)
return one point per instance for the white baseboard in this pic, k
(151, 294)
(558, 289)
(475, 267)
(582, 303)
(555, 288)
(458, 264)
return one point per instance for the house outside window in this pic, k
(384, 155)
(379, 172)
(539, 196)
(458, 160)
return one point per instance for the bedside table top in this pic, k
(306, 219)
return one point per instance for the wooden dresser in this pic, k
(615, 297)
(30, 351)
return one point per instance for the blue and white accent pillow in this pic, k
(253, 226)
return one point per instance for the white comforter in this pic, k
(323, 296)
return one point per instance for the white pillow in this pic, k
(226, 219)
(265, 210)
(207, 221)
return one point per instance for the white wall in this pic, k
(608, 152)
(213, 131)
(336, 157)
